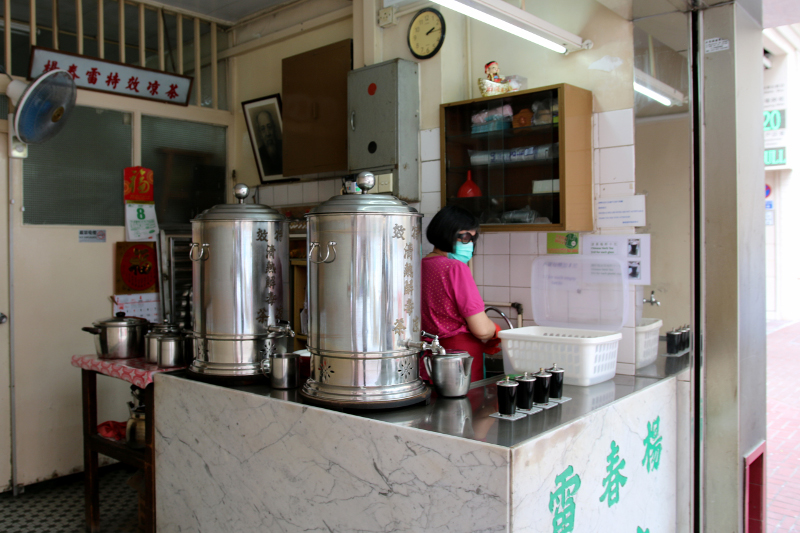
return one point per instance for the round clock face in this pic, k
(426, 33)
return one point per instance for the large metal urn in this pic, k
(364, 302)
(240, 275)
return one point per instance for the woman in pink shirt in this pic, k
(452, 307)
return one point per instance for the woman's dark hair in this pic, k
(447, 223)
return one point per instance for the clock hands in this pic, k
(432, 30)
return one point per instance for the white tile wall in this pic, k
(616, 164)
(477, 269)
(328, 189)
(495, 294)
(429, 145)
(523, 243)
(295, 194)
(266, 195)
(496, 271)
(495, 244)
(520, 270)
(431, 176)
(616, 189)
(281, 194)
(311, 192)
(626, 369)
(430, 203)
(614, 128)
(626, 352)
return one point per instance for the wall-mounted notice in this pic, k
(632, 250)
(621, 212)
(562, 243)
(92, 235)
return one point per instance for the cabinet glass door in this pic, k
(502, 158)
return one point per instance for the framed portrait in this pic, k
(265, 127)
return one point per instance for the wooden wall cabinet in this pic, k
(529, 153)
(314, 96)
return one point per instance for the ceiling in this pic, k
(230, 11)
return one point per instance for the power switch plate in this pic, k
(384, 182)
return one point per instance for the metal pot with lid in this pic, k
(364, 301)
(119, 337)
(151, 339)
(240, 275)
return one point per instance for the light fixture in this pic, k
(504, 16)
(654, 89)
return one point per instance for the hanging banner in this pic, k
(111, 77)
(136, 269)
(138, 184)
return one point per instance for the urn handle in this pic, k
(328, 258)
(202, 256)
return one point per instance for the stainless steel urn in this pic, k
(240, 276)
(364, 302)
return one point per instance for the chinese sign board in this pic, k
(92, 235)
(776, 135)
(632, 250)
(136, 268)
(107, 76)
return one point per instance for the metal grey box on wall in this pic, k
(383, 105)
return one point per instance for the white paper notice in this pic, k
(621, 212)
(140, 305)
(140, 222)
(632, 250)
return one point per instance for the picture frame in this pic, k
(265, 128)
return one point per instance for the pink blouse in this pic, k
(449, 295)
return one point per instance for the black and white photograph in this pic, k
(265, 127)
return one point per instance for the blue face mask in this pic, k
(462, 252)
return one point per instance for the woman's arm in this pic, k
(481, 326)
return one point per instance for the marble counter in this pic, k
(239, 459)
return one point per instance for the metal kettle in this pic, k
(450, 373)
(135, 430)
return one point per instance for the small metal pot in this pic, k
(151, 340)
(284, 371)
(450, 373)
(119, 337)
(170, 350)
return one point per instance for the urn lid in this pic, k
(240, 210)
(364, 203)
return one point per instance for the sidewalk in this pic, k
(783, 428)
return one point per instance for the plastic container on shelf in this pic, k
(647, 330)
(580, 304)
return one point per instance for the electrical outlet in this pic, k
(386, 17)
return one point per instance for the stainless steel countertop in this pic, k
(469, 418)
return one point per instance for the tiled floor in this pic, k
(57, 506)
(783, 427)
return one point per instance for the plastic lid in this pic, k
(579, 291)
(363, 203)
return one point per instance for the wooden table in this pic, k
(139, 373)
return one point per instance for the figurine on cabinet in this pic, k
(494, 84)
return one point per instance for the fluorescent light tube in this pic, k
(641, 89)
(515, 21)
(659, 91)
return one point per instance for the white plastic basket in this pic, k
(647, 331)
(587, 356)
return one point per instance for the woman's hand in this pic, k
(481, 326)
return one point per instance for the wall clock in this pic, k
(426, 33)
